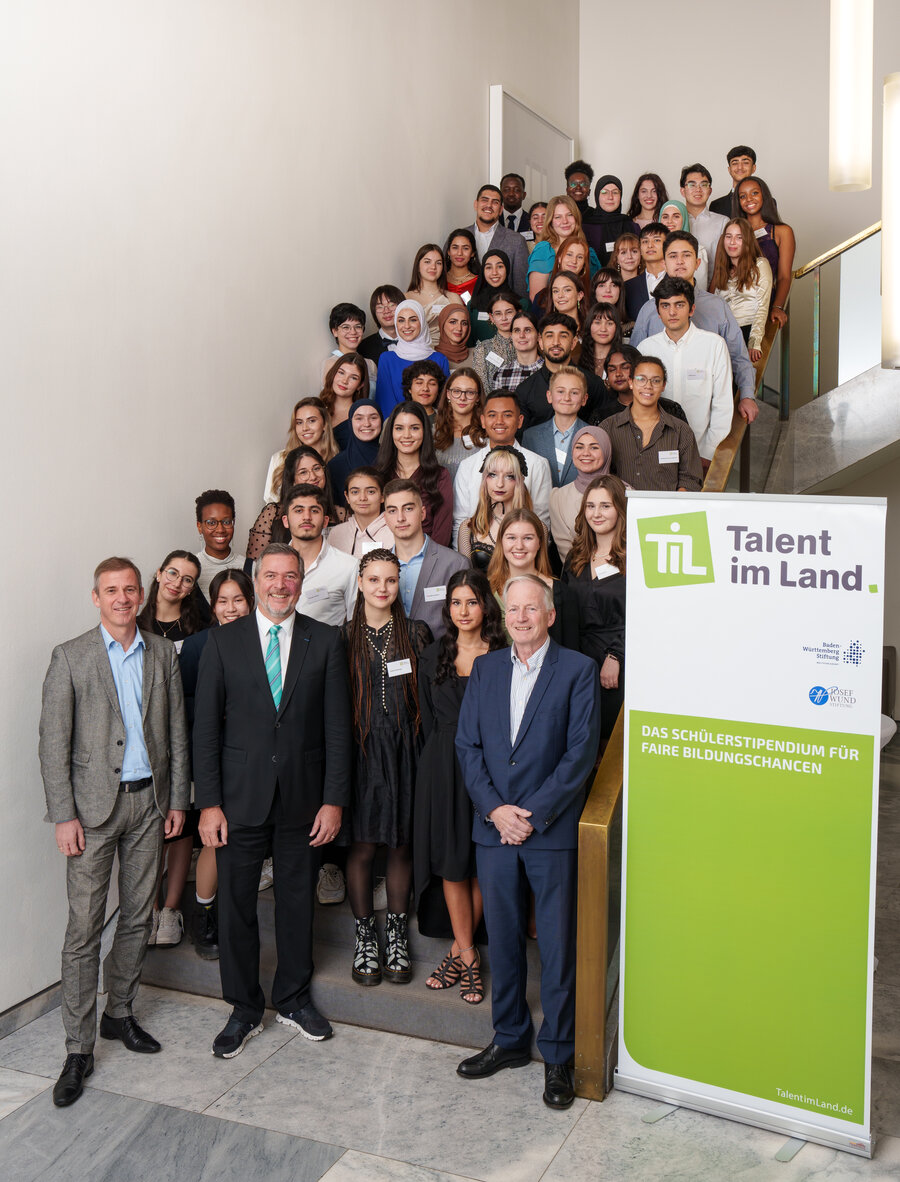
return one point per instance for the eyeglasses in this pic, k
(212, 522)
(656, 383)
(386, 306)
(698, 185)
(610, 192)
(460, 393)
(579, 184)
(175, 576)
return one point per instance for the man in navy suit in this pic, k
(527, 740)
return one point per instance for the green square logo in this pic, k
(675, 551)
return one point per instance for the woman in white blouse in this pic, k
(743, 278)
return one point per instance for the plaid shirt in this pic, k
(514, 375)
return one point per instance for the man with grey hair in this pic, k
(114, 761)
(271, 768)
(527, 741)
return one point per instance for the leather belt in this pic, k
(135, 785)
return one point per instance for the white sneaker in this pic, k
(267, 877)
(380, 896)
(154, 928)
(331, 887)
(171, 927)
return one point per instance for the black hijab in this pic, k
(482, 291)
(601, 226)
(359, 453)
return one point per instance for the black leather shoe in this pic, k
(491, 1059)
(559, 1090)
(70, 1084)
(309, 1022)
(231, 1040)
(126, 1030)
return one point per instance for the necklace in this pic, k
(163, 629)
(382, 654)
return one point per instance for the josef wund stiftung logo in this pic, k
(675, 551)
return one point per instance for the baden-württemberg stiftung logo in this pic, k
(675, 551)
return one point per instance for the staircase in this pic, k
(440, 1015)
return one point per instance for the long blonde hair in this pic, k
(498, 461)
(327, 447)
(549, 234)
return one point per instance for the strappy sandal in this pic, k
(448, 972)
(471, 986)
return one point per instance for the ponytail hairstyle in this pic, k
(400, 648)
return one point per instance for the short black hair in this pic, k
(653, 228)
(515, 176)
(579, 166)
(416, 370)
(688, 168)
(681, 236)
(510, 394)
(741, 150)
(386, 291)
(557, 320)
(673, 285)
(214, 496)
(646, 359)
(489, 189)
(341, 313)
(306, 490)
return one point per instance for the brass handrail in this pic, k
(592, 957)
(836, 250)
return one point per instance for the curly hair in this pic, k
(491, 623)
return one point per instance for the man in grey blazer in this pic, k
(491, 234)
(114, 761)
(425, 566)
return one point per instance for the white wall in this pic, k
(187, 189)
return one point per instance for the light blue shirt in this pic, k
(409, 577)
(562, 441)
(128, 674)
(524, 679)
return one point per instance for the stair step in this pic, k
(436, 1014)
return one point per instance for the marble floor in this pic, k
(368, 1106)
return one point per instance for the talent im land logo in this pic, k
(675, 551)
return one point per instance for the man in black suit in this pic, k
(639, 289)
(514, 215)
(741, 163)
(271, 768)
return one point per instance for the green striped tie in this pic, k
(273, 664)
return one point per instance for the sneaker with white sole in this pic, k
(308, 1021)
(380, 895)
(171, 928)
(267, 877)
(331, 887)
(154, 928)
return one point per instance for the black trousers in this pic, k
(295, 864)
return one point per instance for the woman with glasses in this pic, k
(310, 427)
(457, 427)
(603, 225)
(175, 606)
(303, 465)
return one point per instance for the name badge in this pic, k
(604, 571)
(465, 296)
(368, 545)
(315, 594)
(561, 457)
(483, 316)
(668, 457)
(696, 375)
(436, 594)
(495, 359)
(466, 441)
(178, 645)
(398, 668)
(528, 235)
(610, 246)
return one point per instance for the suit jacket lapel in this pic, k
(567, 466)
(146, 679)
(505, 687)
(299, 649)
(426, 570)
(103, 668)
(256, 662)
(543, 681)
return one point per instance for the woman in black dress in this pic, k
(595, 571)
(442, 828)
(383, 648)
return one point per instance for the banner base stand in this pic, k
(650, 1118)
(790, 1149)
(859, 1143)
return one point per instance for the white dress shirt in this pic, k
(707, 228)
(329, 586)
(483, 239)
(286, 625)
(699, 371)
(467, 485)
(347, 536)
(524, 679)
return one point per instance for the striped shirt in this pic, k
(670, 460)
(524, 679)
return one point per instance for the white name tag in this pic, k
(398, 668)
(368, 545)
(604, 571)
(668, 457)
(610, 246)
(495, 359)
(436, 594)
(314, 594)
(465, 296)
(561, 457)
(696, 375)
(484, 316)
(528, 235)
(466, 441)
(178, 645)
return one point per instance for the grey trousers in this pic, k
(135, 832)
